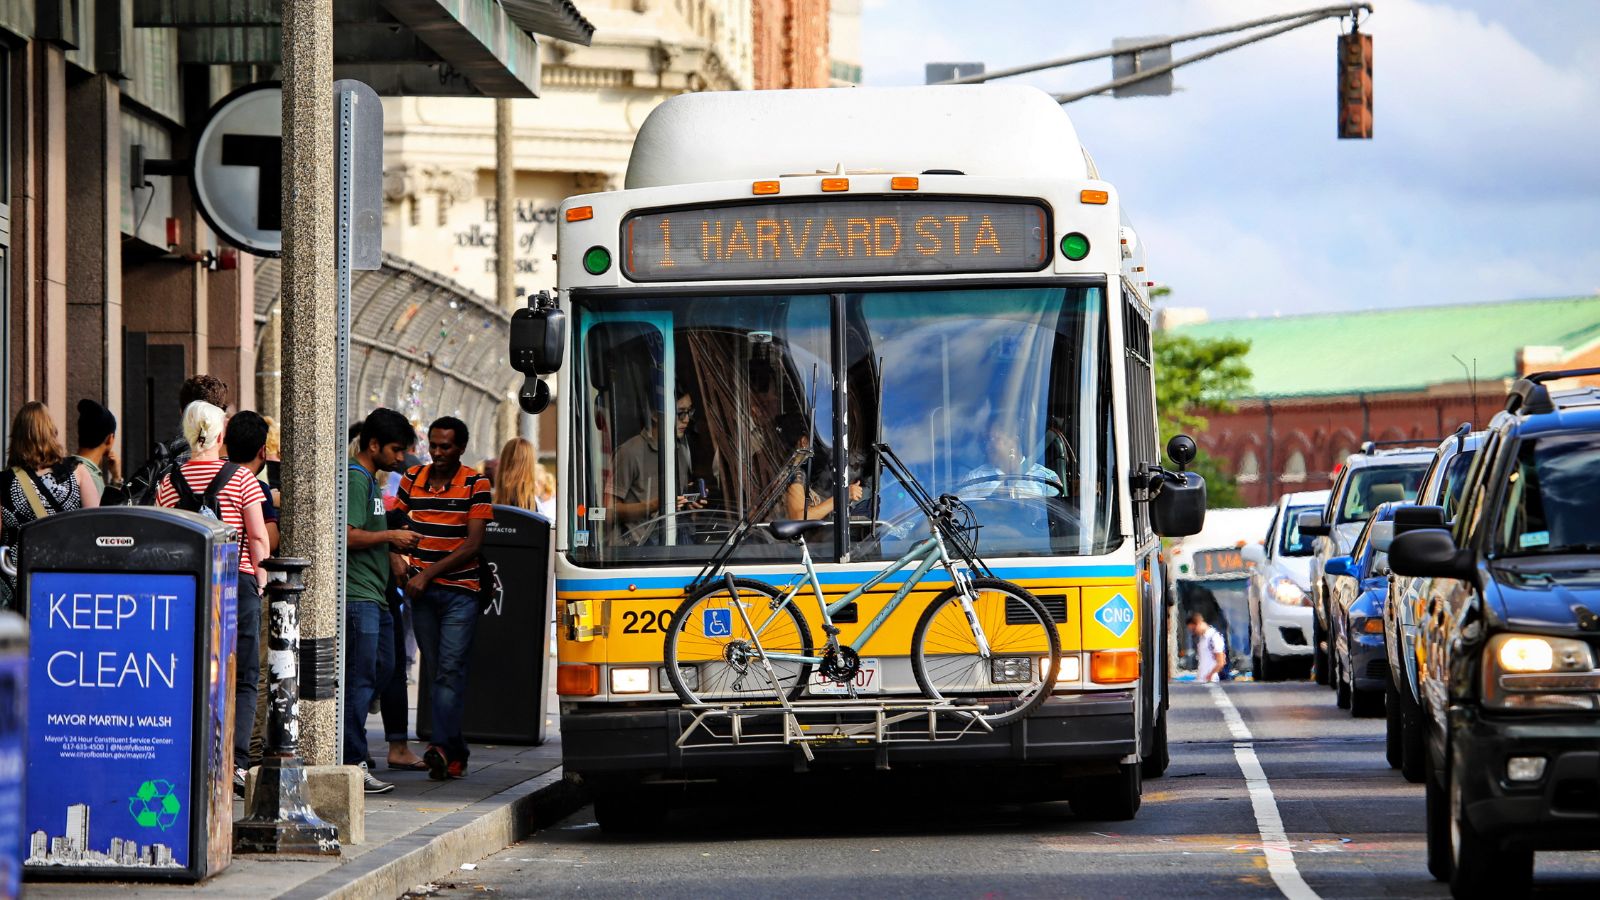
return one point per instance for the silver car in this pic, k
(1279, 593)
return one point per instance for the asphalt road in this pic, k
(1353, 824)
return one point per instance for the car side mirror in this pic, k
(1181, 450)
(538, 340)
(1382, 536)
(1254, 554)
(1410, 518)
(1179, 509)
(1430, 553)
(1339, 565)
(1311, 523)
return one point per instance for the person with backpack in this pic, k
(39, 480)
(140, 487)
(226, 491)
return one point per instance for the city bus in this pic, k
(937, 269)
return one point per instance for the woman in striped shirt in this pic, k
(239, 503)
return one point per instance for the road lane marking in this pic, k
(1275, 844)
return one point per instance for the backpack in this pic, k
(206, 504)
(140, 488)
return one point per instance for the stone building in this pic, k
(1322, 384)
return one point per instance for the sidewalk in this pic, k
(420, 831)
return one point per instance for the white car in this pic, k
(1279, 594)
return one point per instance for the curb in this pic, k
(467, 835)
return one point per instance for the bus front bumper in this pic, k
(1088, 728)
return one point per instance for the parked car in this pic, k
(1360, 590)
(1378, 474)
(1437, 501)
(1209, 576)
(1279, 592)
(1508, 645)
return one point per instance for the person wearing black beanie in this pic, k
(97, 438)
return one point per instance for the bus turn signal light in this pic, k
(836, 184)
(1098, 198)
(1114, 666)
(764, 187)
(904, 183)
(580, 214)
(578, 680)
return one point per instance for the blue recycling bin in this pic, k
(130, 666)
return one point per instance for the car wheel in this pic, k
(1413, 752)
(1320, 657)
(1437, 816)
(1110, 798)
(1341, 687)
(631, 812)
(1480, 867)
(1393, 729)
(1366, 704)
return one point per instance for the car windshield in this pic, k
(998, 395)
(1551, 496)
(1372, 486)
(1294, 543)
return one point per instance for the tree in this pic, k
(1194, 377)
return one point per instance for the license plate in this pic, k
(866, 681)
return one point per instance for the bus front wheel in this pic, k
(1110, 798)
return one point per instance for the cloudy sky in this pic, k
(1482, 182)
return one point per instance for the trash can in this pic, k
(13, 705)
(511, 648)
(132, 624)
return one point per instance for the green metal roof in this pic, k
(1400, 349)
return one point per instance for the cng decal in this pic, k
(1116, 615)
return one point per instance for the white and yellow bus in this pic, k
(937, 268)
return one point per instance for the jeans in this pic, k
(368, 663)
(445, 619)
(247, 668)
(392, 696)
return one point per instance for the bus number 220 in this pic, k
(648, 621)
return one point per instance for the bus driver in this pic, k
(1008, 473)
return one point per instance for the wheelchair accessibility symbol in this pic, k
(718, 622)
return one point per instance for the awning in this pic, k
(417, 47)
(421, 344)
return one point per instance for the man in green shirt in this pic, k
(369, 631)
(97, 440)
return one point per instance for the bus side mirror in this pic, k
(1179, 509)
(538, 341)
(534, 396)
(1181, 450)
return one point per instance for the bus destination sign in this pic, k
(820, 238)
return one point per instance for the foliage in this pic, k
(1195, 377)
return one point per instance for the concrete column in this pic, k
(310, 448)
(94, 248)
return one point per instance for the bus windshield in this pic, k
(999, 395)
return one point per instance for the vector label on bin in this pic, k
(1116, 615)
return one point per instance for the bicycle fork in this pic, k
(967, 593)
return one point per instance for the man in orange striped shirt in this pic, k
(448, 504)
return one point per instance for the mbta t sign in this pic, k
(238, 169)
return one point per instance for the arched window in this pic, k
(1249, 468)
(1295, 468)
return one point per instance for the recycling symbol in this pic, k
(155, 804)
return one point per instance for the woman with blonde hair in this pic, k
(544, 488)
(515, 484)
(238, 504)
(40, 479)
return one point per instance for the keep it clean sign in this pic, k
(110, 720)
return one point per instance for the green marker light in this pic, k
(596, 260)
(1074, 246)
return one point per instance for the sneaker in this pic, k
(238, 783)
(457, 768)
(438, 768)
(371, 784)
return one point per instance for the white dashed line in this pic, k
(1274, 842)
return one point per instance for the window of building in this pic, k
(1249, 470)
(1295, 468)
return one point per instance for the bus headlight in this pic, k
(1524, 671)
(630, 681)
(689, 674)
(1071, 667)
(1286, 592)
(1011, 670)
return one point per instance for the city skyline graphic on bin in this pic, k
(72, 847)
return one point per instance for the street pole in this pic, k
(310, 448)
(505, 248)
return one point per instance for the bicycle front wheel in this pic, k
(713, 656)
(1024, 650)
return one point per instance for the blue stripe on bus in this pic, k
(1014, 573)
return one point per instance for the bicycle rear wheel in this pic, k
(1024, 650)
(711, 653)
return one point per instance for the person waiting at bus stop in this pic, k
(448, 505)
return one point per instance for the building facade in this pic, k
(1323, 384)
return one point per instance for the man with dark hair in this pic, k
(97, 439)
(1210, 651)
(449, 505)
(246, 444)
(637, 494)
(384, 438)
(209, 388)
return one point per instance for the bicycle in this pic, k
(984, 642)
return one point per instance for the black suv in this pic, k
(1508, 645)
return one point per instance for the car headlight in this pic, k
(1286, 592)
(1525, 671)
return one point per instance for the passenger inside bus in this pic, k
(636, 468)
(811, 499)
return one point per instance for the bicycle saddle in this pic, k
(789, 529)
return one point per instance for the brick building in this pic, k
(1321, 384)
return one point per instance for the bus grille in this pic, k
(1055, 604)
